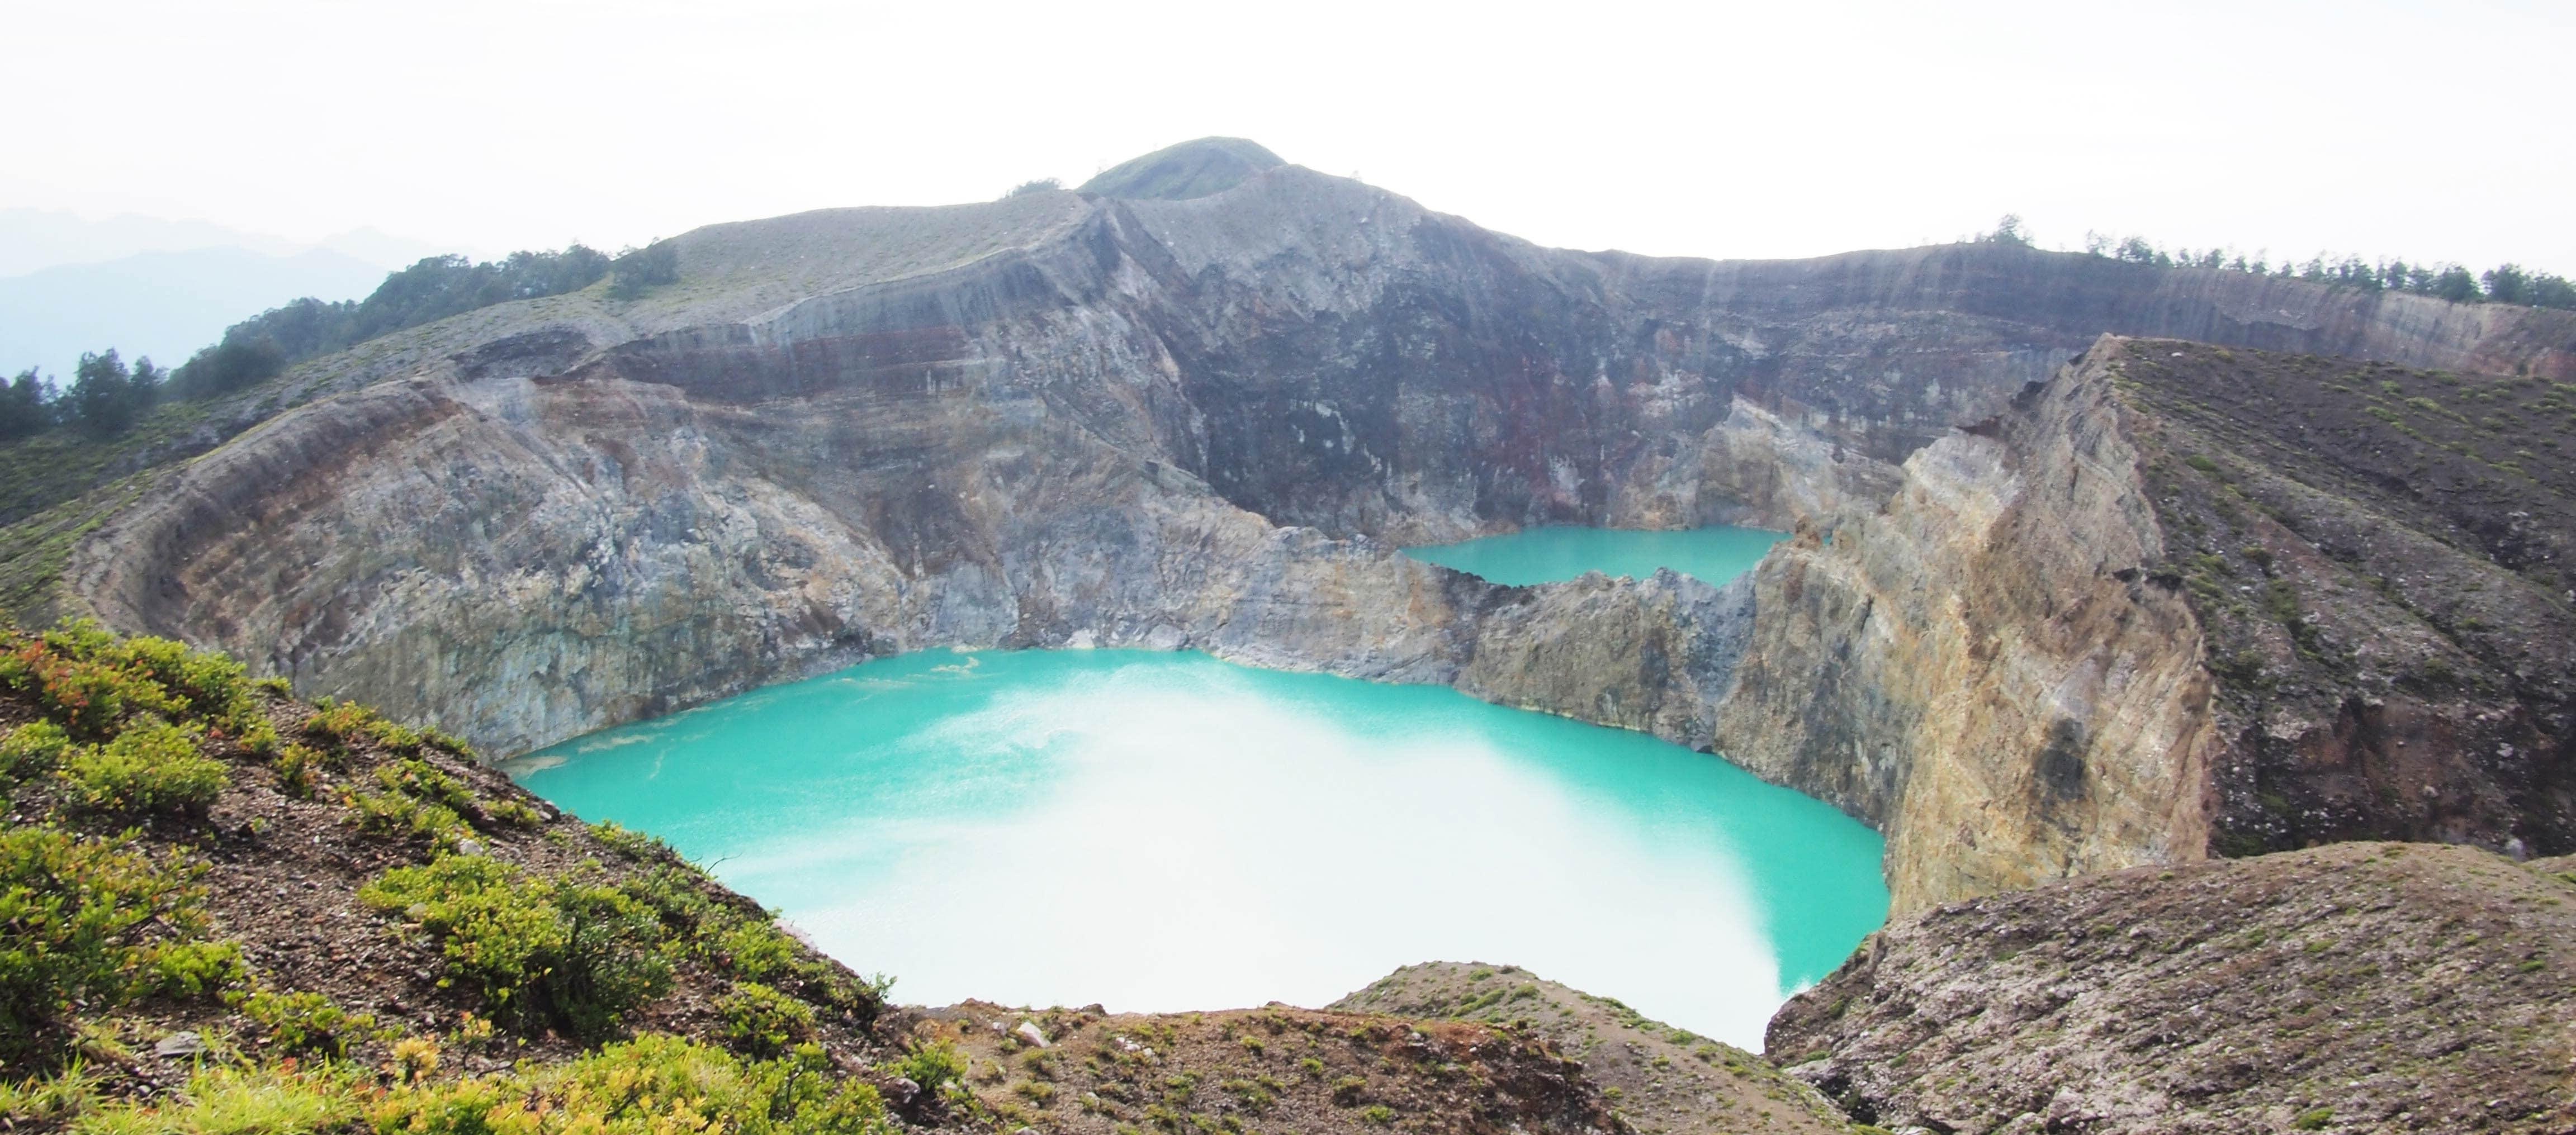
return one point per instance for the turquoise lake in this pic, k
(1547, 555)
(1166, 831)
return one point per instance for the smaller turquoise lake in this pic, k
(1162, 831)
(1548, 555)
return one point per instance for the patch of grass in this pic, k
(650, 1084)
(228, 1100)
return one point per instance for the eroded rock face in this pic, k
(1981, 668)
(2112, 626)
(1205, 423)
(2359, 987)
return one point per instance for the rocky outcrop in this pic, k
(2360, 987)
(2122, 623)
(1205, 422)
(1664, 1078)
(1980, 668)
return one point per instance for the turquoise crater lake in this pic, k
(1166, 831)
(1549, 555)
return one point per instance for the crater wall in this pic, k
(1206, 423)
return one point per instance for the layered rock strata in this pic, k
(1066, 420)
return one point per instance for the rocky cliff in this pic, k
(1064, 419)
(2184, 600)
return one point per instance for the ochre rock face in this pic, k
(1981, 667)
(1064, 421)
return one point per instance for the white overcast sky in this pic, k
(2435, 130)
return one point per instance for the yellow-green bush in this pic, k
(32, 748)
(152, 767)
(305, 1022)
(418, 799)
(540, 951)
(89, 920)
(344, 724)
(648, 1086)
(761, 1021)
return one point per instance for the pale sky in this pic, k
(2437, 130)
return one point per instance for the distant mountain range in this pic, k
(148, 286)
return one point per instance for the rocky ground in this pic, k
(1268, 1069)
(2358, 987)
(2379, 559)
(1660, 1078)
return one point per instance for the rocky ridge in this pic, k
(2357, 987)
(2118, 623)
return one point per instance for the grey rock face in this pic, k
(1198, 423)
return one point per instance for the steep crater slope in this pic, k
(2183, 600)
(2360, 987)
(1061, 420)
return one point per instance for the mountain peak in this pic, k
(1197, 168)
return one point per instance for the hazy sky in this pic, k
(2435, 130)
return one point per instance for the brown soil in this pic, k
(1269, 1069)
(1660, 1078)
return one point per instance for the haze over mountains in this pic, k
(161, 288)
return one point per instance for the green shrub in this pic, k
(1377, 1113)
(198, 684)
(1347, 1089)
(305, 1022)
(932, 1064)
(86, 920)
(762, 1022)
(540, 951)
(343, 725)
(299, 769)
(187, 969)
(154, 767)
(652, 1084)
(418, 799)
(631, 843)
(32, 748)
(88, 698)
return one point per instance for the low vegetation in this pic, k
(222, 910)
